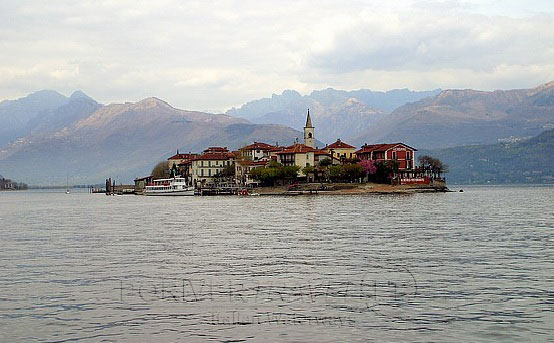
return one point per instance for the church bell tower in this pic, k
(309, 137)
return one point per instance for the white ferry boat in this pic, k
(173, 186)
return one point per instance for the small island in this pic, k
(301, 168)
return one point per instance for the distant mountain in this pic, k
(528, 161)
(464, 117)
(126, 140)
(382, 101)
(78, 106)
(15, 115)
(335, 113)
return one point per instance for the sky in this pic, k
(212, 55)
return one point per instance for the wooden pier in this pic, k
(113, 189)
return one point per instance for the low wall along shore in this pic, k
(350, 188)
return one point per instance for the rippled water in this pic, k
(472, 266)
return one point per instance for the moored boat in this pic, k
(172, 187)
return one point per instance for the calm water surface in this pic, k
(476, 266)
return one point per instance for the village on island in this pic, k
(301, 168)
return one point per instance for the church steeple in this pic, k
(309, 120)
(309, 135)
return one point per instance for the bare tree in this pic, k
(436, 166)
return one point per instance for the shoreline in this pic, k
(351, 189)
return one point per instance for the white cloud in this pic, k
(419, 40)
(213, 55)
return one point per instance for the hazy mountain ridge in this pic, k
(466, 117)
(335, 113)
(125, 140)
(17, 114)
(380, 101)
(77, 108)
(528, 161)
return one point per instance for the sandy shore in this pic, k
(349, 188)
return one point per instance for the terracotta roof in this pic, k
(182, 156)
(260, 146)
(339, 145)
(297, 149)
(321, 152)
(380, 147)
(277, 148)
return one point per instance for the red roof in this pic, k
(297, 149)
(259, 146)
(380, 147)
(322, 152)
(182, 156)
(277, 148)
(339, 145)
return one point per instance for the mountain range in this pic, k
(42, 111)
(122, 140)
(335, 113)
(46, 137)
(467, 117)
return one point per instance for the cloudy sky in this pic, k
(211, 55)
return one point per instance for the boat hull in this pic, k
(188, 192)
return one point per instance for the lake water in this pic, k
(476, 266)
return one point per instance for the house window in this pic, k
(408, 155)
(394, 157)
